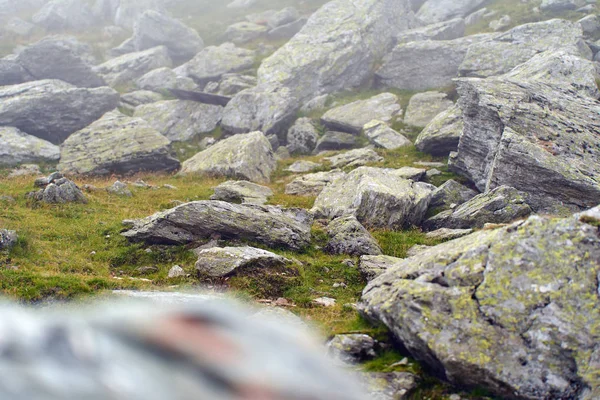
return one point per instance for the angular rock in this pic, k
(424, 107)
(129, 101)
(180, 120)
(25, 170)
(202, 219)
(302, 137)
(287, 31)
(354, 158)
(116, 144)
(120, 189)
(283, 17)
(52, 109)
(501, 205)
(450, 195)
(246, 156)
(57, 15)
(381, 135)
(371, 267)
(433, 11)
(231, 84)
(8, 239)
(312, 184)
(348, 236)
(241, 192)
(441, 136)
(448, 234)
(129, 11)
(389, 385)
(352, 117)
(127, 68)
(332, 141)
(17, 147)
(303, 166)
(590, 26)
(495, 309)
(558, 5)
(352, 348)
(176, 272)
(219, 262)
(243, 32)
(57, 189)
(163, 79)
(378, 198)
(446, 30)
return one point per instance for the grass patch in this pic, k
(397, 244)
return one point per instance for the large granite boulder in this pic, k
(53, 109)
(535, 129)
(501, 53)
(379, 198)
(127, 68)
(52, 58)
(354, 116)
(202, 219)
(433, 11)
(348, 236)
(336, 50)
(58, 15)
(180, 120)
(499, 206)
(245, 156)
(17, 147)
(116, 144)
(440, 137)
(242, 192)
(424, 65)
(424, 107)
(511, 310)
(219, 262)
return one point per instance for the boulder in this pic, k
(163, 79)
(286, 31)
(336, 50)
(378, 198)
(499, 206)
(246, 156)
(590, 26)
(23, 170)
(444, 234)
(17, 148)
(508, 310)
(424, 65)
(220, 262)
(446, 30)
(424, 107)
(302, 137)
(381, 135)
(52, 109)
(12, 73)
(59, 15)
(283, 17)
(333, 141)
(312, 184)
(213, 62)
(8, 239)
(450, 195)
(127, 68)
(301, 166)
(128, 12)
(57, 189)
(501, 53)
(129, 101)
(441, 136)
(243, 32)
(371, 267)
(534, 129)
(352, 117)
(352, 348)
(202, 219)
(433, 11)
(180, 120)
(241, 192)
(348, 236)
(355, 158)
(116, 144)
(231, 84)
(53, 58)
(558, 5)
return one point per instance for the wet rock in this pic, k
(424, 107)
(17, 147)
(381, 135)
(242, 192)
(57, 189)
(353, 117)
(302, 137)
(351, 348)
(355, 158)
(312, 184)
(348, 236)
(441, 136)
(220, 262)
(125, 69)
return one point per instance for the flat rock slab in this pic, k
(381, 135)
(17, 147)
(219, 262)
(242, 192)
(126, 69)
(355, 158)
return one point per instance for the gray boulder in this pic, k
(495, 309)
(116, 144)
(180, 120)
(424, 107)
(119, 189)
(58, 15)
(163, 79)
(12, 73)
(202, 219)
(354, 158)
(286, 31)
(499, 206)
(231, 84)
(348, 236)
(333, 141)
(312, 184)
(246, 156)
(558, 5)
(241, 192)
(219, 262)
(433, 11)
(129, 101)
(371, 267)
(352, 117)
(301, 166)
(8, 239)
(243, 32)
(450, 195)
(378, 197)
(17, 147)
(52, 109)
(283, 17)
(510, 137)
(129, 11)
(381, 135)
(590, 26)
(446, 30)
(344, 43)
(352, 348)
(57, 189)
(389, 385)
(444, 234)
(127, 68)
(302, 137)
(441, 136)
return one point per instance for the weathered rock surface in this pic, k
(352, 348)
(163, 79)
(129, 101)
(389, 385)
(57, 189)
(127, 68)
(381, 135)
(441, 136)
(446, 30)
(450, 195)
(8, 239)
(52, 109)
(348, 236)
(371, 267)
(510, 310)
(117, 144)
(58, 15)
(189, 222)
(245, 156)
(302, 166)
(534, 129)
(448, 233)
(287, 31)
(501, 205)
(243, 32)
(424, 107)
(336, 50)
(378, 198)
(352, 117)
(354, 158)
(213, 62)
(12, 73)
(180, 120)
(312, 184)
(433, 11)
(302, 137)
(231, 84)
(221, 262)
(242, 192)
(333, 141)
(17, 147)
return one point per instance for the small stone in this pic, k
(120, 189)
(324, 302)
(176, 272)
